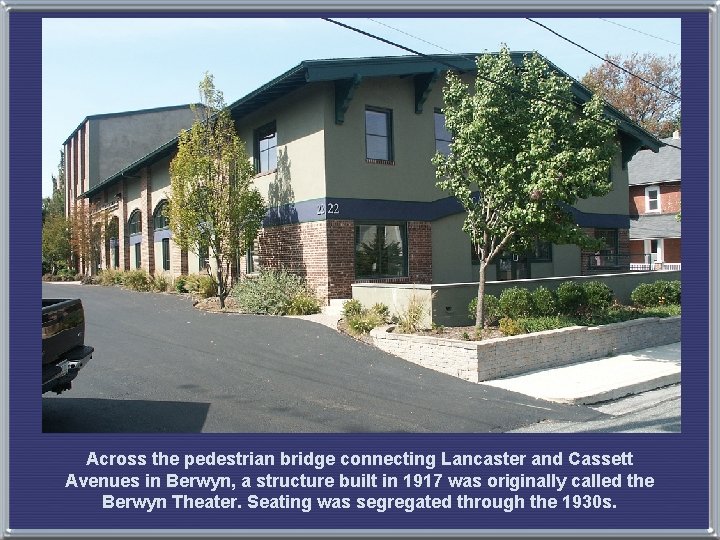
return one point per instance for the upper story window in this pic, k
(652, 199)
(443, 138)
(378, 135)
(266, 148)
(135, 223)
(160, 218)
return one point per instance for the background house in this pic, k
(655, 201)
(342, 150)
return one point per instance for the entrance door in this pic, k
(512, 266)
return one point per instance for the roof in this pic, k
(654, 168)
(125, 113)
(350, 71)
(649, 226)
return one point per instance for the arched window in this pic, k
(160, 218)
(135, 223)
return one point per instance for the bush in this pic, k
(381, 310)
(351, 307)
(509, 327)
(492, 309)
(516, 302)
(180, 284)
(599, 296)
(206, 286)
(410, 318)
(136, 280)
(160, 283)
(540, 324)
(89, 280)
(571, 298)
(304, 304)
(656, 294)
(269, 293)
(544, 302)
(362, 323)
(110, 276)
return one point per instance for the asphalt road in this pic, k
(162, 366)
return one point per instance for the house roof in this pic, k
(654, 168)
(347, 72)
(649, 226)
(124, 113)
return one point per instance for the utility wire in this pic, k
(412, 36)
(639, 31)
(605, 59)
(441, 61)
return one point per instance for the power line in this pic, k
(639, 31)
(412, 36)
(605, 59)
(441, 61)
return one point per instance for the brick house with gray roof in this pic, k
(655, 199)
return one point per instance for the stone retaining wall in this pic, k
(502, 357)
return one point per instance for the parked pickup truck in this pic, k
(64, 352)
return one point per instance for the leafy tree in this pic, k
(522, 151)
(55, 228)
(656, 111)
(212, 202)
(55, 243)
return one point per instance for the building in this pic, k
(102, 144)
(342, 150)
(655, 199)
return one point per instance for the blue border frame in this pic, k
(679, 462)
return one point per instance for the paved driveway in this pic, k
(162, 366)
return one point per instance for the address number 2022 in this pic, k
(329, 208)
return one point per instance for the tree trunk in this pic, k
(221, 289)
(480, 311)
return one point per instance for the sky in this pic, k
(98, 66)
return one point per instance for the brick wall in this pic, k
(672, 250)
(340, 258)
(420, 251)
(507, 356)
(670, 198)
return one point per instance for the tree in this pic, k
(522, 152)
(212, 202)
(55, 228)
(656, 111)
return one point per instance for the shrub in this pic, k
(410, 318)
(363, 322)
(656, 294)
(160, 283)
(136, 280)
(516, 302)
(599, 296)
(304, 304)
(180, 284)
(540, 324)
(509, 327)
(269, 293)
(352, 307)
(571, 298)
(89, 280)
(382, 311)
(544, 302)
(109, 277)
(206, 286)
(492, 309)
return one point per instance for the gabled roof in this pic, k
(348, 72)
(655, 168)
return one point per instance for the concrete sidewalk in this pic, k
(602, 379)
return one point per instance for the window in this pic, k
(266, 148)
(378, 135)
(166, 253)
(443, 138)
(137, 255)
(160, 219)
(540, 252)
(380, 250)
(608, 254)
(203, 258)
(135, 223)
(652, 199)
